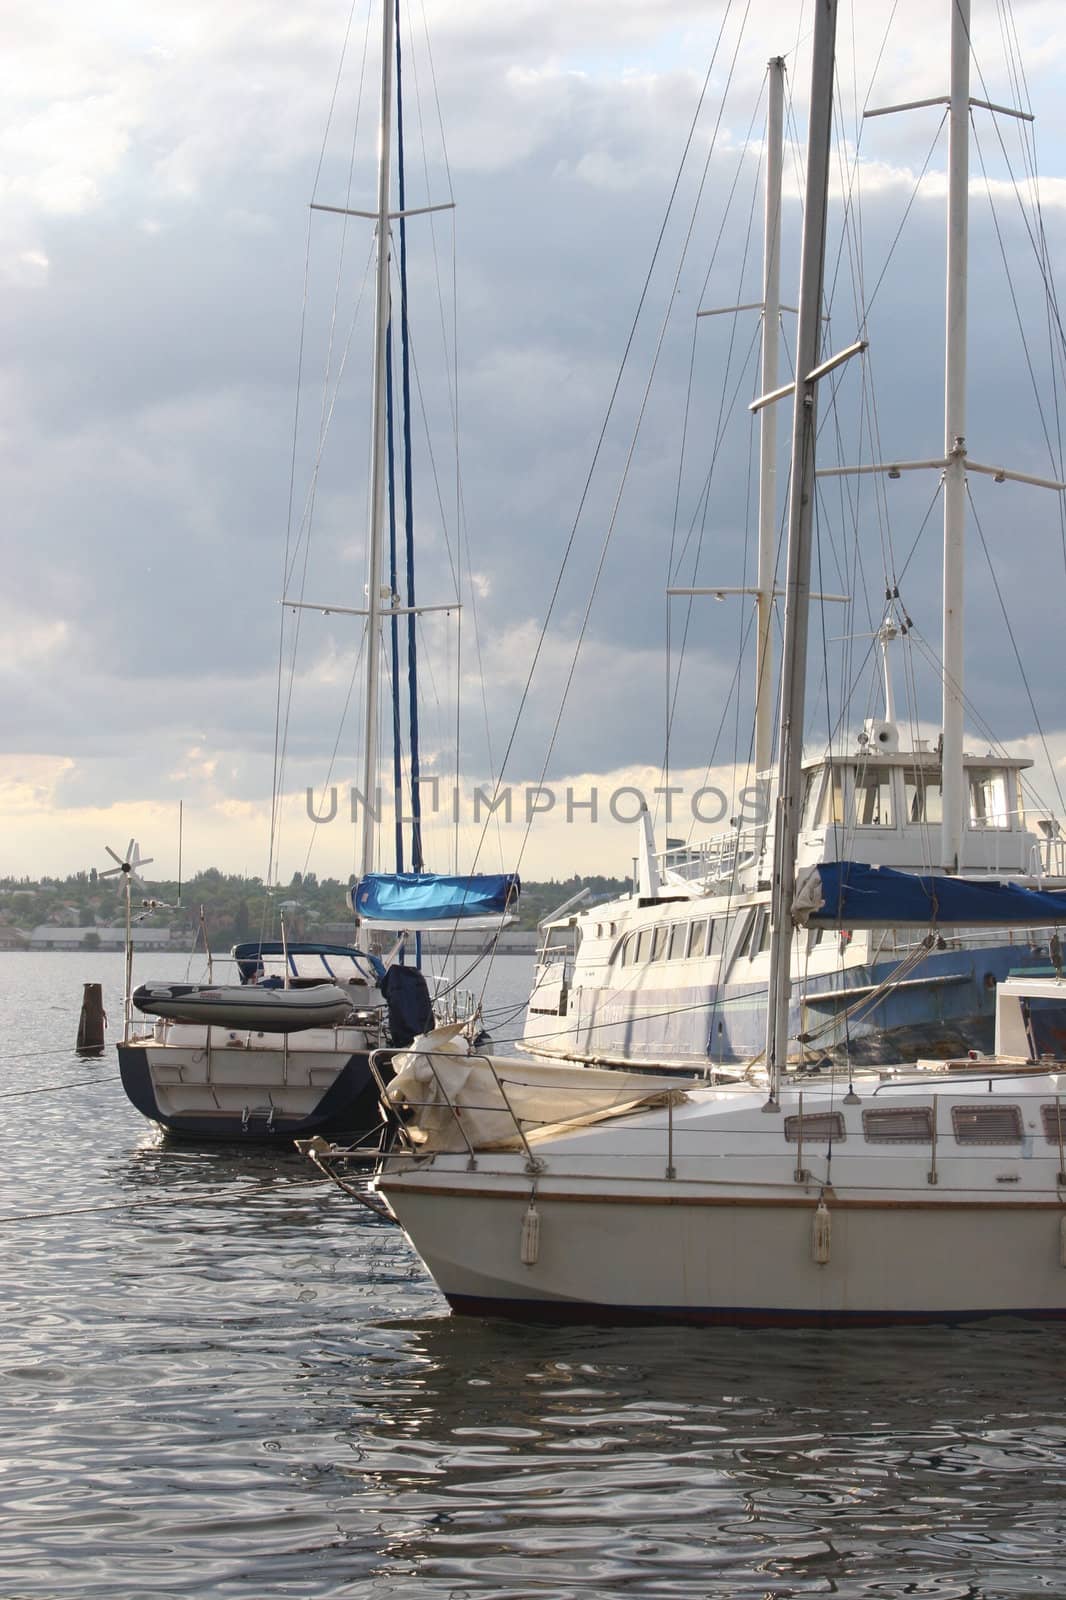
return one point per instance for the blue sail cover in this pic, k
(851, 894)
(426, 900)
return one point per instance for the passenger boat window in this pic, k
(628, 947)
(764, 937)
(987, 1124)
(743, 945)
(658, 944)
(921, 796)
(899, 1125)
(714, 943)
(678, 941)
(817, 1128)
(697, 941)
(988, 798)
(751, 942)
(644, 946)
(831, 804)
(873, 799)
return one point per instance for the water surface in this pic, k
(222, 1378)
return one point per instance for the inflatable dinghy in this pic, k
(280, 1010)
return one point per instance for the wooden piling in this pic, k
(92, 1022)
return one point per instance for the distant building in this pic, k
(51, 937)
(65, 916)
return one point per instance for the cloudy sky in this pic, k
(184, 356)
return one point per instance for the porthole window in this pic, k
(816, 1127)
(1054, 1118)
(987, 1124)
(898, 1125)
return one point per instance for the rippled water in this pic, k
(220, 1377)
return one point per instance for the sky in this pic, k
(184, 379)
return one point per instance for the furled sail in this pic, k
(410, 901)
(853, 894)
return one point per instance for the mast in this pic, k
(955, 435)
(800, 524)
(771, 318)
(378, 467)
(417, 862)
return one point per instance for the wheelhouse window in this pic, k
(922, 797)
(987, 1124)
(678, 941)
(988, 798)
(658, 943)
(873, 799)
(697, 938)
(831, 804)
(812, 790)
(644, 946)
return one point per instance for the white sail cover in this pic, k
(455, 1100)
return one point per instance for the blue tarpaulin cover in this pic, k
(429, 900)
(852, 894)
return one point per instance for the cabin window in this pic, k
(922, 797)
(814, 938)
(643, 946)
(873, 799)
(899, 1125)
(629, 949)
(988, 798)
(815, 1128)
(1054, 1116)
(658, 943)
(697, 938)
(678, 941)
(831, 805)
(764, 936)
(714, 943)
(987, 1124)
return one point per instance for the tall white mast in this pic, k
(800, 525)
(378, 445)
(954, 797)
(771, 337)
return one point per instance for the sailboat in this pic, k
(930, 1192)
(676, 973)
(286, 1051)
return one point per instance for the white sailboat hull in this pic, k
(715, 1210)
(692, 1258)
